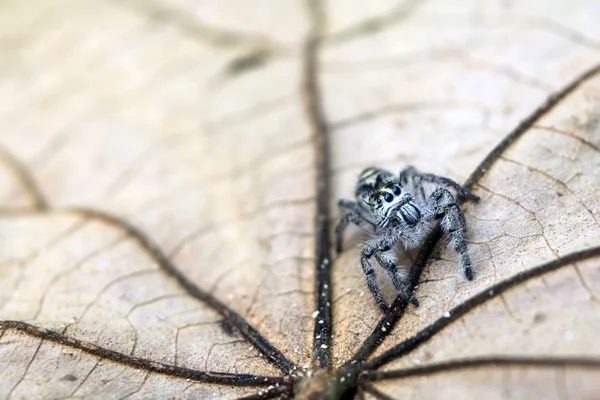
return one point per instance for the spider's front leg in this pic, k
(366, 253)
(354, 215)
(401, 283)
(377, 248)
(443, 205)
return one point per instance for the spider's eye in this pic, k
(396, 190)
(388, 197)
(379, 200)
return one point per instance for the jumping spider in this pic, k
(397, 210)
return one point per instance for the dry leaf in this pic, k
(162, 235)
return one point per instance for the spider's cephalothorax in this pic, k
(397, 210)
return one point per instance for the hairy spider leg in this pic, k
(355, 215)
(376, 248)
(411, 177)
(425, 213)
(418, 178)
(444, 206)
(401, 283)
(366, 253)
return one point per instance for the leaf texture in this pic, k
(169, 172)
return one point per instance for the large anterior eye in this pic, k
(396, 190)
(388, 197)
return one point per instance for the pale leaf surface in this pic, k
(144, 136)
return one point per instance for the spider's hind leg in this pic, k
(447, 182)
(410, 176)
(443, 205)
(411, 173)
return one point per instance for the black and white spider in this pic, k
(397, 209)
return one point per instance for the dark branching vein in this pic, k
(570, 135)
(321, 352)
(184, 21)
(322, 330)
(400, 304)
(396, 310)
(231, 317)
(492, 361)
(142, 363)
(25, 179)
(551, 102)
(373, 391)
(490, 293)
(376, 24)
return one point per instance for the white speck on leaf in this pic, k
(517, 244)
(568, 336)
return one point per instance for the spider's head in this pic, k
(386, 200)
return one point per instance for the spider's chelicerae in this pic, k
(396, 209)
